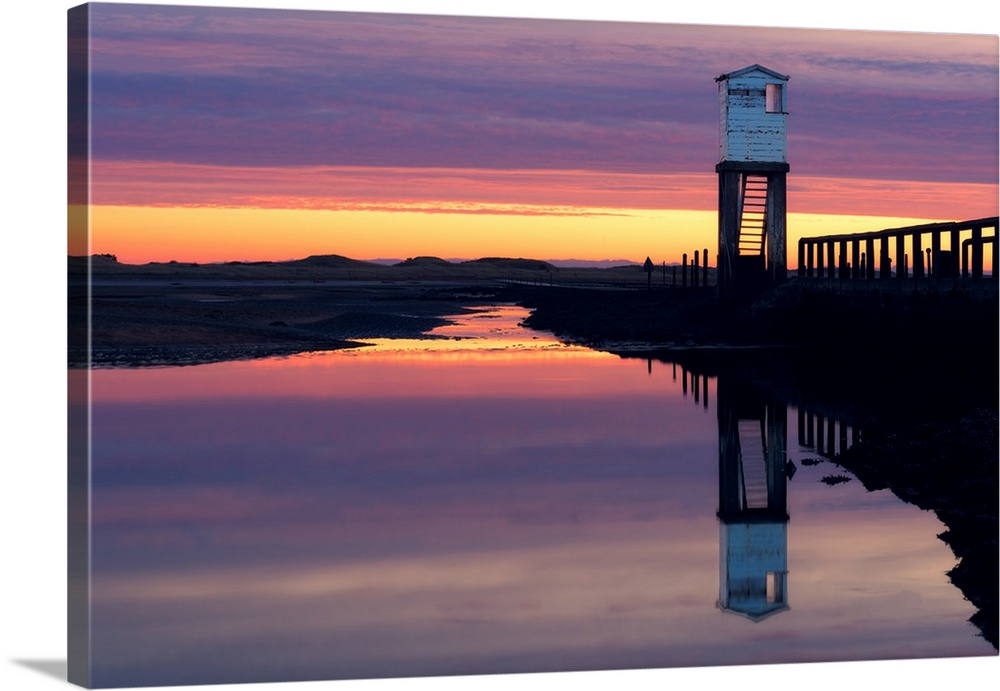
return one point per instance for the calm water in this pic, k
(492, 501)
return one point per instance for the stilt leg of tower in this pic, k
(729, 230)
(777, 257)
(777, 441)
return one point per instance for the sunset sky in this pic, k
(248, 134)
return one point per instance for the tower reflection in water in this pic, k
(754, 470)
(753, 506)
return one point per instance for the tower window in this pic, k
(775, 98)
(775, 587)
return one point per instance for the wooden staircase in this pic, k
(753, 215)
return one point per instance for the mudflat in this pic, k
(177, 313)
(149, 322)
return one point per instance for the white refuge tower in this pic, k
(752, 166)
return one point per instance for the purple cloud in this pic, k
(254, 87)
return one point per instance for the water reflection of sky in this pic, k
(444, 507)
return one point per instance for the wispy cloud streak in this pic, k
(507, 192)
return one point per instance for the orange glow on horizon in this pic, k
(144, 212)
(138, 235)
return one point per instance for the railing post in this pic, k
(811, 250)
(977, 252)
(870, 257)
(856, 259)
(884, 265)
(802, 258)
(832, 266)
(820, 271)
(900, 256)
(956, 251)
(918, 257)
(993, 265)
(842, 260)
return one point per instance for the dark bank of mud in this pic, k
(936, 350)
(851, 323)
(145, 323)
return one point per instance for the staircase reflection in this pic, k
(753, 506)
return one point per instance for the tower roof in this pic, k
(752, 68)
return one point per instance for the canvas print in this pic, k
(418, 346)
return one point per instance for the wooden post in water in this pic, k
(885, 265)
(684, 271)
(934, 252)
(694, 271)
(704, 263)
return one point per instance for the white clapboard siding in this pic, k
(747, 131)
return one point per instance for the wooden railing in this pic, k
(934, 251)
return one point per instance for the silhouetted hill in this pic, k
(333, 261)
(511, 264)
(335, 267)
(425, 262)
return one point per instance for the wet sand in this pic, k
(143, 322)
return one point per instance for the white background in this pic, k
(32, 420)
